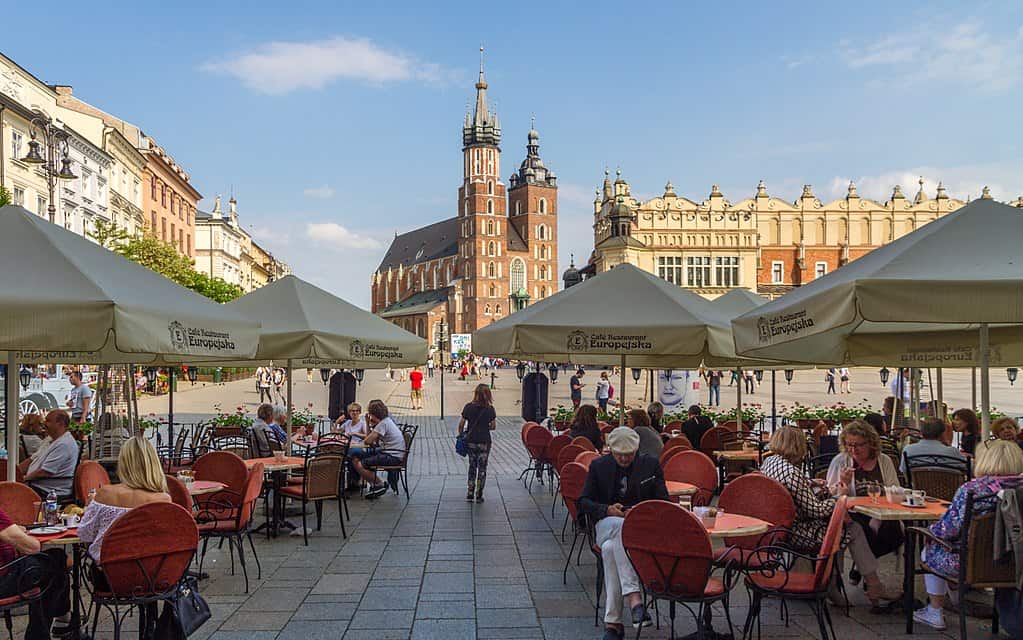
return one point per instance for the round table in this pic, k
(733, 524)
(680, 488)
(204, 487)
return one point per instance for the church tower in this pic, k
(533, 214)
(482, 214)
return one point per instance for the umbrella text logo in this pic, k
(578, 341)
(178, 337)
(763, 329)
(356, 350)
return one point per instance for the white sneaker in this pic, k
(930, 617)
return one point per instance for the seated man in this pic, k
(697, 425)
(54, 468)
(932, 431)
(45, 570)
(384, 446)
(267, 430)
(614, 484)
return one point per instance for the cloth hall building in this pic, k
(495, 256)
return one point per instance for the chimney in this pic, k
(216, 208)
(232, 206)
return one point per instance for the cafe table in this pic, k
(277, 468)
(69, 538)
(680, 488)
(884, 510)
(737, 455)
(204, 487)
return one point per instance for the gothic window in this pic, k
(518, 207)
(491, 270)
(543, 272)
(490, 227)
(543, 205)
(490, 206)
(491, 249)
(543, 292)
(490, 187)
(465, 208)
(486, 310)
(518, 275)
(497, 311)
(541, 232)
(493, 291)
(543, 252)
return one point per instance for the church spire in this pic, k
(483, 127)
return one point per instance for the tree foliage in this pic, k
(151, 252)
(5, 197)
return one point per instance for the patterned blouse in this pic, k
(95, 521)
(812, 512)
(941, 560)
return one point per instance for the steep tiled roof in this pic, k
(437, 240)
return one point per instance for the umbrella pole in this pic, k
(288, 428)
(170, 417)
(973, 388)
(985, 381)
(739, 381)
(774, 397)
(914, 397)
(939, 388)
(11, 394)
(621, 395)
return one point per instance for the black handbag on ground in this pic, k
(184, 613)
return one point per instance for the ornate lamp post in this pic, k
(360, 374)
(788, 376)
(56, 148)
(192, 373)
(24, 377)
(441, 346)
(552, 370)
(325, 376)
(1012, 372)
(636, 373)
(520, 370)
(884, 373)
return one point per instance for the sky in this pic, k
(338, 124)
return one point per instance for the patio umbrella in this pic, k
(308, 327)
(949, 294)
(65, 298)
(624, 316)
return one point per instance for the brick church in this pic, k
(498, 254)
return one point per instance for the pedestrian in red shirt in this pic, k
(416, 379)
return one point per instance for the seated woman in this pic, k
(859, 463)
(650, 442)
(997, 462)
(1006, 429)
(585, 425)
(966, 422)
(32, 433)
(656, 412)
(354, 427)
(142, 482)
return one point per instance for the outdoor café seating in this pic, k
(229, 513)
(322, 481)
(694, 468)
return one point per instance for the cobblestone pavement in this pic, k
(437, 567)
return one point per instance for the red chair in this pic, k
(17, 500)
(761, 497)
(667, 453)
(89, 475)
(696, 469)
(136, 574)
(526, 428)
(568, 454)
(573, 477)
(774, 575)
(715, 439)
(584, 442)
(229, 517)
(586, 457)
(675, 567)
(674, 425)
(31, 584)
(554, 447)
(179, 493)
(537, 440)
(678, 441)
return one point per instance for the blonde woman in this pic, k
(142, 482)
(997, 462)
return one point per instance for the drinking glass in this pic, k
(874, 491)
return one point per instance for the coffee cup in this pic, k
(70, 520)
(916, 497)
(707, 515)
(280, 456)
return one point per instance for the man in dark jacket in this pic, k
(614, 484)
(697, 425)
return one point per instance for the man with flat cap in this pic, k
(614, 484)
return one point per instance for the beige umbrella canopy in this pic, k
(949, 294)
(67, 299)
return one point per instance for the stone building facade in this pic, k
(224, 249)
(762, 243)
(168, 198)
(495, 256)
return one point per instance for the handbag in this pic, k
(184, 613)
(461, 446)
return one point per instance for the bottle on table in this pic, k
(50, 508)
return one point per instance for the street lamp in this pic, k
(359, 375)
(1012, 372)
(55, 141)
(636, 373)
(788, 376)
(884, 375)
(24, 377)
(552, 370)
(192, 374)
(520, 370)
(759, 375)
(151, 373)
(325, 376)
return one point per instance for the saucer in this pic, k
(914, 506)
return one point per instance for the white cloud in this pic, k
(331, 234)
(277, 68)
(324, 192)
(960, 182)
(966, 55)
(268, 234)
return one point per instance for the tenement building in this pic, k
(495, 256)
(762, 243)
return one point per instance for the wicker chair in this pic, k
(399, 472)
(322, 481)
(977, 567)
(238, 445)
(939, 475)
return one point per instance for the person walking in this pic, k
(576, 385)
(429, 367)
(478, 420)
(278, 380)
(263, 377)
(750, 381)
(603, 391)
(829, 377)
(843, 378)
(714, 388)
(79, 399)
(416, 381)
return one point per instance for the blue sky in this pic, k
(337, 124)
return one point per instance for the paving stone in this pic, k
(443, 629)
(446, 609)
(503, 597)
(325, 611)
(392, 619)
(387, 599)
(274, 599)
(256, 621)
(448, 582)
(506, 618)
(341, 583)
(310, 630)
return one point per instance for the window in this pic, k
(727, 271)
(698, 271)
(188, 244)
(820, 269)
(490, 227)
(541, 232)
(543, 292)
(152, 190)
(491, 270)
(152, 224)
(493, 291)
(490, 206)
(490, 187)
(163, 195)
(497, 311)
(543, 252)
(543, 272)
(777, 272)
(518, 275)
(486, 310)
(163, 230)
(17, 140)
(19, 196)
(40, 205)
(543, 205)
(174, 204)
(670, 268)
(491, 248)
